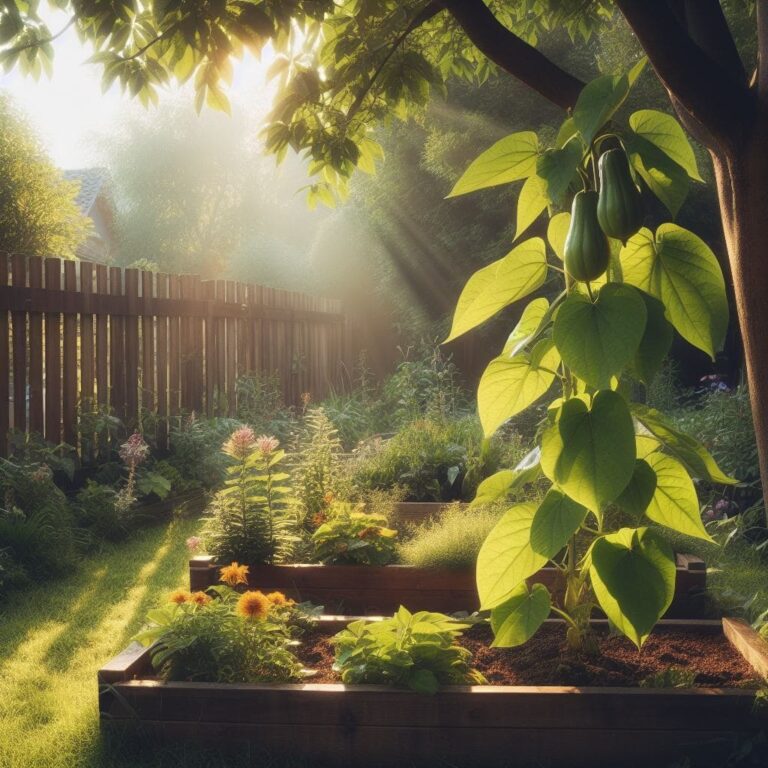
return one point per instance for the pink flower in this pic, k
(134, 450)
(266, 444)
(240, 444)
(193, 543)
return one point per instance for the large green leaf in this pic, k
(499, 284)
(633, 577)
(600, 99)
(530, 203)
(556, 520)
(636, 497)
(656, 342)
(667, 134)
(664, 177)
(527, 326)
(590, 452)
(510, 159)
(598, 339)
(510, 384)
(559, 169)
(557, 231)
(686, 448)
(674, 503)
(506, 558)
(517, 620)
(680, 270)
(506, 481)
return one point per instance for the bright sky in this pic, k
(68, 109)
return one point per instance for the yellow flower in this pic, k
(278, 598)
(199, 598)
(234, 574)
(180, 596)
(253, 605)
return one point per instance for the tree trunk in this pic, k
(742, 186)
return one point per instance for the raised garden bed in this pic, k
(376, 590)
(368, 725)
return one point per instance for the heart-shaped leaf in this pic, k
(598, 339)
(556, 520)
(517, 620)
(590, 452)
(557, 231)
(506, 558)
(667, 134)
(636, 497)
(531, 201)
(680, 270)
(510, 384)
(633, 577)
(656, 341)
(510, 159)
(674, 502)
(499, 284)
(684, 447)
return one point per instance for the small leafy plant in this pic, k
(618, 293)
(411, 650)
(249, 518)
(352, 536)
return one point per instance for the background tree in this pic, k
(348, 66)
(38, 213)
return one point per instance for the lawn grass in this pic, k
(53, 639)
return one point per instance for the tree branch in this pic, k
(707, 26)
(512, 54)
(428, 12)
(37, 43)
(706, 90)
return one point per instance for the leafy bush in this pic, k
(260, 404)
(411, 650)
(36, 526)
(196, 449)
(96, 510)
(427, 458)
(248, 520)
(221, 638)
(351, 536)
(452, 540)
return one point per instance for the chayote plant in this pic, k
(616, 293)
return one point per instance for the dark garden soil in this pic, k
(545, 660)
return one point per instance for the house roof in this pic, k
(93, 181)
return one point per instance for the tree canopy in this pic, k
(38, 212)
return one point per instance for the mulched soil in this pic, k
(545, 660)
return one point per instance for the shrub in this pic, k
(36, 526)
(96, 510)
(427, 458)
(452, 540)
(249, 519)
(417, 651)
(196, 449)
(221, 638)
(260, 404)
(351, 536)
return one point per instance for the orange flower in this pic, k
(180, 596)
(278, 598)
(253, 605)
(199, 598)
(234, 574)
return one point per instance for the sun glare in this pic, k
(68, 110)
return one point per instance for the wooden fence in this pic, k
(126, 339)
